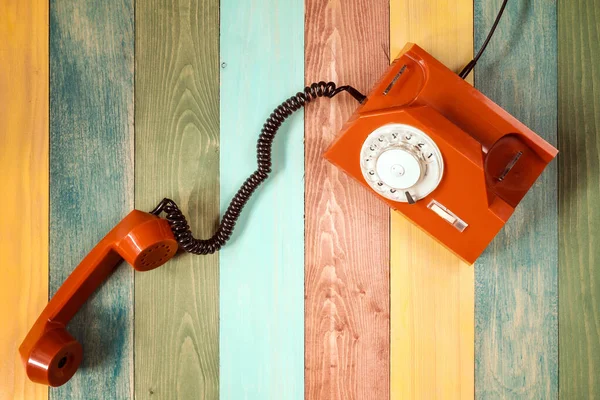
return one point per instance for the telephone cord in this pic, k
(177, 220)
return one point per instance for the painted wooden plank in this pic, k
(347, 228)
(91, 178)
(516, 339)
(432, 291)
(261, 286)
(177, 155)
(24, 166)
(579, 195)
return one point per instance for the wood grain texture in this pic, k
(579, 196)
(516, 342)
(262, 268)
(177, 156)
(347, 227)
(432, 291)
(24, 166)
(91, 179)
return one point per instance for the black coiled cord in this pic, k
(177, 220)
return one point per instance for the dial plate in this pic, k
(398, 158)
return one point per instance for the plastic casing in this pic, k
(477, 138)
(50, 354)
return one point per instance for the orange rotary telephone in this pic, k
(426, 142)
(436, 149)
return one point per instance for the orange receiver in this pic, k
(50, 354)
(490, 158)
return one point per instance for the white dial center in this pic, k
(398, 168)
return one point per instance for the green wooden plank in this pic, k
(91, 177)
(177, 155)
(262, 268)
(516, 333)
(579, 196)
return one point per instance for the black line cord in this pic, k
(469, 67)
(177, 220)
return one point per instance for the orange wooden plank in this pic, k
(432, 291)
(24, 166)
(347, 228)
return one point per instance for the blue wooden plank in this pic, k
(91, 179)
(516, 331)
(262, 268)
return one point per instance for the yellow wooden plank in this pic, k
(432, 291)
(24, 166)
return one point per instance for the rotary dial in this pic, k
(401, 163)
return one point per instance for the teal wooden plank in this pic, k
(516, 331)
(262, 268)
(579, 196)
(91, 179)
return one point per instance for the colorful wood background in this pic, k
(322, 292)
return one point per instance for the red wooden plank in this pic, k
(347, 228)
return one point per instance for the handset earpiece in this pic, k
(50, 354)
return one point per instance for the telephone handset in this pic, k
(50, 354)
